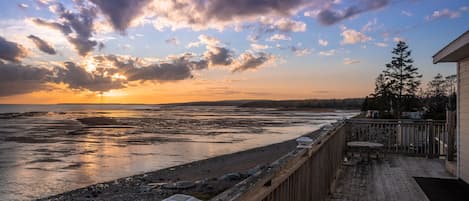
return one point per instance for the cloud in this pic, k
(204, 40)
(42, 45)
(76, 27)
(217, 56)
(256, 46)
(23, 6)
(114, 72)
(323, 43)
(65, 29)
(163, 72)
(445, 13)
(121, 13)
(331, 52)
(351, 36)
(227, 10)
(97, 74)
(172, 41)
(397, 39)
(349, 61)
(82, 45)
(11, 51)
(300, 51)
(407, 13)
(218, 14)
(16, 78)
(312, 13)
(277, 37)
(379, 44)
(282, 25)
(329, 16)
(43, 2)
(76, 77)
(249, 61)
(370, 25)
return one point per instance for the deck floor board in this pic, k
(390, 179)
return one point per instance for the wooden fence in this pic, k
(301, 175)
(413, 137)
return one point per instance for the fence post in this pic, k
(399, 142)
(431, 139)
(450, 126)
(348, 131)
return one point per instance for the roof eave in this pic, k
(454, 51)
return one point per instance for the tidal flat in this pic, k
(48, 150)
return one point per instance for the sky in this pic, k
(164, 51)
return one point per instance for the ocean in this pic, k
(50, 149)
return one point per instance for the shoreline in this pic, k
(203, 179)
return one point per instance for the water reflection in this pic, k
(47, 153)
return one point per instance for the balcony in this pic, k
(329, 170)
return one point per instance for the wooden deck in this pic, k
(390, 179)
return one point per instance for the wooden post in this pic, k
(348, 130)
(431, 139)
(451, 127)
(399, 141)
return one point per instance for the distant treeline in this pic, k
(351, 103)
(212, 103)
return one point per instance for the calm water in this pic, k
(49, 149)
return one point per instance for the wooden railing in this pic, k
(414, 137)
(301, 175)
(308, 174)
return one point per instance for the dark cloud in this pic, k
(16, 78)
(112, 72)
(228, 10)
(177, 68)
(82, 45)
(65, 29)
(77, 27)
(11, 51)
(329, 16)
(248, 61)
(76, 77)
(161, 72)
(121, 12)
(82, 24)
(203, 14)
(219, 56)
(42, 45)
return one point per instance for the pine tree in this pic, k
(436, 100)
(403, 76)
(382, 95)
(437, 87)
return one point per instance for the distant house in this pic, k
(458, 51)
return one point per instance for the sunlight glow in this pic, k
(90, 65)
(118, 76)
(114, 93)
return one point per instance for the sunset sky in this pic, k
(160, 51)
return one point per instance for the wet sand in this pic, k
(203, 179)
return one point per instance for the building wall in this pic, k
(463, 120)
